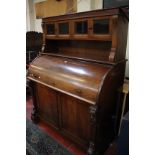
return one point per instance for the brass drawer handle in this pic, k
(35, 76)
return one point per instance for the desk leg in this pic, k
(34, 114)
(91, 149)
(93, 113)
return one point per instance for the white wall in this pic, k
(32, 24)
(31, 15)
(38, 27)
(83, 5)
(96, 4)
(27, 16)
(87, 5)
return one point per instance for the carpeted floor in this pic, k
(40, 143)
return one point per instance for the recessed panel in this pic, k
(75, 117)
(101, 26)
(64, 28)
(81, 27)
(50, 28)
(47, 104)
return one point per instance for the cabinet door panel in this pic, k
(64, 28)
(101, 26)
(47, 103)
(81, 27)
(75, 117)
(50, 29)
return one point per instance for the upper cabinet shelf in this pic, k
(68, 34)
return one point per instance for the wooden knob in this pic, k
(78, 91)
(35, 76)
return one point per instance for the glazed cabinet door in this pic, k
(47, 104)
(80, 29)
(50, 29)
(100, 28)
(63, 28)
(75, 119)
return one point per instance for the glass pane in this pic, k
(63, 28)
(101, 26)
(50, 28)
(81, 27)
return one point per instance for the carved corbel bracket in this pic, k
(91, 149)
(93, 110)
(34, 115)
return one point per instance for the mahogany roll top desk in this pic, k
(75, 78)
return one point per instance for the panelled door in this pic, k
(47, 104)
(75, 118)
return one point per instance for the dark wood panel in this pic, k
(122, 38)
(47, 104)
(105, 37)
(81, 49)
(75, 117)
